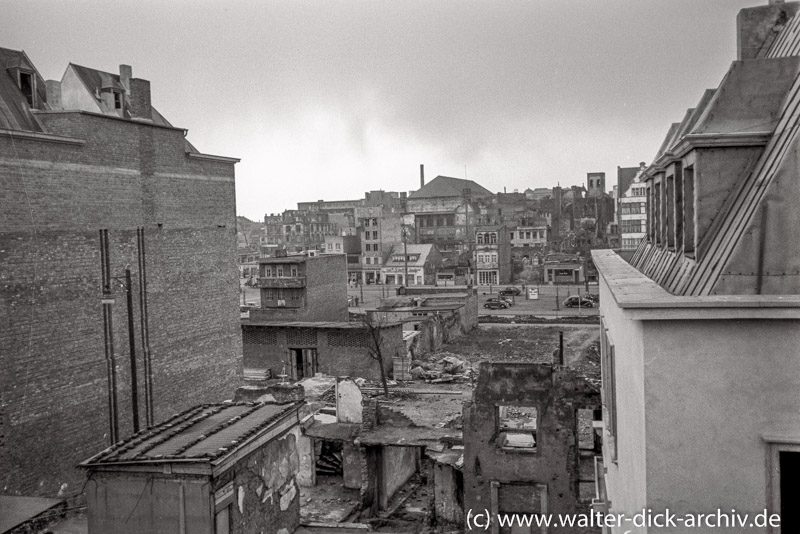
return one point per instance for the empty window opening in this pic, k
(329, 457)
(26, 86)
(516, 427)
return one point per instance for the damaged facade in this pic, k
(529, 445)
(214, 469)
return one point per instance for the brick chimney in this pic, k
(138, 94)
(53, 93)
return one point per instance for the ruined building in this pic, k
(529, 443)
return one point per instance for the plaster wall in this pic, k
(626, 481)
(713, 390)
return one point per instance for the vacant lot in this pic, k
(529, 343)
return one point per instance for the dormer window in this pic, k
(117, 100)
(26, 85)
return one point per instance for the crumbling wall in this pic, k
(492, 475)
(448, 489)
(266, 495)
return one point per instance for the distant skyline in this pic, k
(329, 99)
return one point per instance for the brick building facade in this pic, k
(65, 175)
(303, 288)
(301, 349)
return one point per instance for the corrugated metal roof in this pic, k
(202, 433)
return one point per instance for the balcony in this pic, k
(487, 265)
(284, 282)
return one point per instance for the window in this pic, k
(375, 234)
(608, 390)
(378, 260)
(479, 238)
(338, 246)
(26, 82)
(295, 294)
(632, 226)
(511, 235)
(330, 246)
(268, 272)
(279, 271)
(268, 294)
(784, 469)
(368, 260)
(516, 427)
(117, 100)
(294, 271)
(492, 238)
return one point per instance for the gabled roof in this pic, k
(97, 79)
(15, 113)
(445, 186)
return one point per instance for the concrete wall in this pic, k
(340, 352)
(729, 384)
(557, 394)
(448, 490)
(398, 464)
(626, 478)
(56, 198)
(703, 388)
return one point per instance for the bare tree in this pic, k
(375, 326)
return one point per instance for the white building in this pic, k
(528, 236)
(633, 214)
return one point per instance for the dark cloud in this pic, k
(525, 93)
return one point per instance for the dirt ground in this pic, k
(528, 343)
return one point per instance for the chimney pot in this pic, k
(421, 176)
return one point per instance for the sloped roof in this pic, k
(15, 113)
(625, 176)
(203, 433)
(422, 250)
(445, 186)
(97, 79)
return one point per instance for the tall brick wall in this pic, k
(56, 197)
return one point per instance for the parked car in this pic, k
(507, 300)
(508, 291)
(496, 304)
(594, 298)
(574, 301)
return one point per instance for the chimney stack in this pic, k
(125, 75)
(53, 93)
(421, 176)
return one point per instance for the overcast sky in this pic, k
(327, 100)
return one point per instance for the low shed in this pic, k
(213, 469)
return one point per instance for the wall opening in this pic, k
(516, 427)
